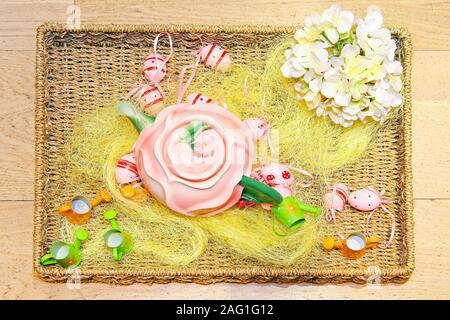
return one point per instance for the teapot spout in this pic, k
(139, 119)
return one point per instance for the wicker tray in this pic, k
(71, 70)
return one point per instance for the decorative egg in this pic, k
(155, 68)
(258, 127)
(150, 98)
(285, 191)
(336, 200)
(257, 176)
(365, 200)
(195, 98)
(277, 174)
(126, 169)
(215, 57)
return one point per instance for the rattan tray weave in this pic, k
(71, 69)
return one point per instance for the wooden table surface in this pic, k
(429, 23)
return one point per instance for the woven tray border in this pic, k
(398, 274)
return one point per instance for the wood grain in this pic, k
(430, 280)
(429, 23)
(17, 125)
(431, 152)
(21, 18)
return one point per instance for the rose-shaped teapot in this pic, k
(196, 159)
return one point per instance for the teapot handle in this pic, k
(259, 192)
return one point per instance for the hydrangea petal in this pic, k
(332, 35)
(394, 67)
(315, 85)
(286, 69)
(346, 22)
(309, 96)
(343, 98)
(329, 89)
(373, 20)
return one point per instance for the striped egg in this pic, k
(155, 68)
(126, 169)
(195, 98)
(336, 200)
(215, 57)
(150, 98)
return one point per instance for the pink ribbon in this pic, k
(182, 89)
(155, 46)
(135, 92)
(330, 214)
(263, 115)
(159, 66)
(393, 224)
(304, 172)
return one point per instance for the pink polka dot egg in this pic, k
(365, 200)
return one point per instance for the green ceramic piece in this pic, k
(65, 254)
(259, 192)
(81, 234)
(310, 209)
(139, 119)
(119, 241)
(289, 212)
(110, 214)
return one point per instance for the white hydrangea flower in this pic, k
(336, 21)
(311, 31)
(345, 67)
(374, 39)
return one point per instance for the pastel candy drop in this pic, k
(242, 204)
(154, 68)
(128, 191)
(328, 243)
(365, 200)
(126, 169)
(257, 127)
(277, 174)
(215, 57)
(195, 98)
